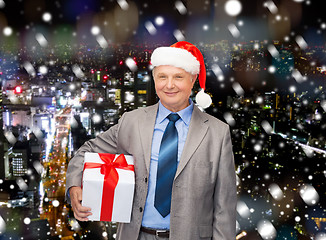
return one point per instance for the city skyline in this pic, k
(70, 69)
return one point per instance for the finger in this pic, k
(80, 214)
(76, 202)
(82, 209)
(78, 207)
(80, 218)
(76, 194)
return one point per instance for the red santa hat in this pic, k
(188, 57)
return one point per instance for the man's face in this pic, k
(173, 86)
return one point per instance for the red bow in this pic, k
(111, 178)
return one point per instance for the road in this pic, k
(53, 207)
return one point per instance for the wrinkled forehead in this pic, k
(169, 68)
(173, 71)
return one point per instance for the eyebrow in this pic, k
(161, 74)
(177, 73)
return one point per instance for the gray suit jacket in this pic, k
(204, 190)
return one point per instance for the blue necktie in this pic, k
(167, 167)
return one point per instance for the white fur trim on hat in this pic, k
(176, 57)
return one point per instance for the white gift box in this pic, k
(108, 203)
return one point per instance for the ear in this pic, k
(194, 78)
(153, 72)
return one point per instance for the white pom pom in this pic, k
(203, 99)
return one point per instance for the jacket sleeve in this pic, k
(104, 143)
(225, 196)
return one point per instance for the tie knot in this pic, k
(173, 117)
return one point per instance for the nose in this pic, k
(170, 83)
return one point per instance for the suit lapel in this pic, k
(146, 129)
(197, 130)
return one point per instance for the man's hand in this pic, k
(81, 213)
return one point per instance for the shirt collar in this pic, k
(185, 114)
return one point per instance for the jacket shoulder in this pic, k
(217, 121)
(139, 112)
(211, 120)
(142, 110)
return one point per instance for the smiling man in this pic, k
(185, 177)
(173, 86)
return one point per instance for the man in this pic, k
(185, 182)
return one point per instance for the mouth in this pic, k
(170, 93)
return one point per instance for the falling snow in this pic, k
(68, 72)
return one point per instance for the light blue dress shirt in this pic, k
(152, 218)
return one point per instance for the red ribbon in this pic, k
(111, 178)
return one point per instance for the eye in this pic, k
(161, 76)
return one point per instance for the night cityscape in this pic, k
(70, 69)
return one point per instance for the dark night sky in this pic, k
(22, 15)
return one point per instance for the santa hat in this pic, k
(188, 57)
